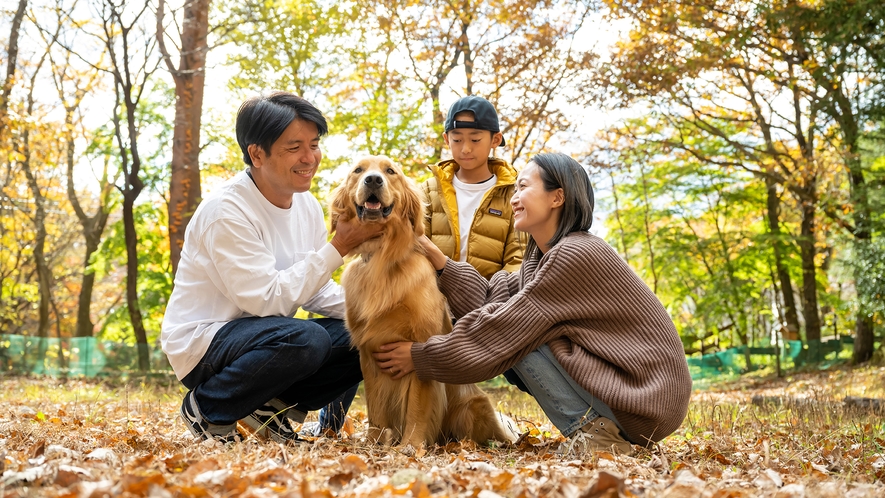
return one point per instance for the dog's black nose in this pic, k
(374, 181)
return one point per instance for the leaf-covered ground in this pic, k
(123, 438)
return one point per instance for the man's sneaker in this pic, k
(310, 429)
(274, 421)
(203, 429)
(601, 434)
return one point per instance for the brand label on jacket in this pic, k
(495, 212)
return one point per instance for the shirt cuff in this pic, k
(331, 256)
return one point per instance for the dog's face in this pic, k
(374, 190)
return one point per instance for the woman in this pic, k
(585, 336)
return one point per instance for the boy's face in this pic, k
(471, 147)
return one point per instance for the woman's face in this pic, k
(535, 210)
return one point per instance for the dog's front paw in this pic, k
(377, 435)
(407, 450)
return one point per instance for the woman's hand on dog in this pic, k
(350, 233)
(436, 257)
(395, 359)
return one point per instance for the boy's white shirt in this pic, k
(469, 197)
(243, 256)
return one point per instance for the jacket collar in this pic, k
(506, 173)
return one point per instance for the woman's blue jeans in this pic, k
(304, 363)
(568, 405)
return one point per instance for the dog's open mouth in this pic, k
(372, 210)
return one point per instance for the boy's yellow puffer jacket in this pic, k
(493, 244)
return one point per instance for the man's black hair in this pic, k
(261, 120)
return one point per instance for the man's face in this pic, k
(471, 147)
(290, 165)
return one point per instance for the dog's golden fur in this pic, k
(392, 296)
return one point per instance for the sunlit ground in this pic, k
(118, 437)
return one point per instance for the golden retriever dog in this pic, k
(392, 295)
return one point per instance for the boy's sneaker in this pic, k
(600, 434)
(275, 420)
(203, 429)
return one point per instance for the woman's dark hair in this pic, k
(261, 120)
(561, 171)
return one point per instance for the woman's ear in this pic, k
(558, 198)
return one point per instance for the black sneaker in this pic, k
(203, 429)
(275, 420)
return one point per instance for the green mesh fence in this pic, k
(732, 362)
(88, 356)
(74, 356)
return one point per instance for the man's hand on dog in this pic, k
(350, 233)
(395, 359)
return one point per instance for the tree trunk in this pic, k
(12, 56)
(439, 120)
(92, 228)
(791, 316)
(864, 331)
(132, 278)
(44, 279)
(651, 252)
(189, 77)
(44, 276)
(621, 232)
(809, 284)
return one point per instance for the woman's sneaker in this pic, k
(275, 420)
(203, 429)
(600, 434)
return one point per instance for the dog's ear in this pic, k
(414, 208)
(337, 205)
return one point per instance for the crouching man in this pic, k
(254, 252)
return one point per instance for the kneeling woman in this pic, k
(584, 335)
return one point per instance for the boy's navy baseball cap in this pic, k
(484, 115)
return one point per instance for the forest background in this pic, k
(736, 146)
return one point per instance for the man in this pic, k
(254, 252)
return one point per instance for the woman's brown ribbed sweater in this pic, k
(603, 324)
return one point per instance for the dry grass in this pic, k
(123, 438)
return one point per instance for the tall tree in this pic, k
(38, 215)
(837, 41)
(189, 78)
(710, 66)
(128, 45)
(72, 87)
(11, 59)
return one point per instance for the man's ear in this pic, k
(256, 154)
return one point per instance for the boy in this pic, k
(469, 217)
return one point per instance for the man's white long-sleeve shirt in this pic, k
(243, 256)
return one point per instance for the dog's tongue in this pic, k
(372, 205)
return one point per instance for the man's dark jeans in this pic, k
(305, 363)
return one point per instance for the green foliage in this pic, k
(870, 263)
(154, 272)
(285, 44)
(696, 233)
